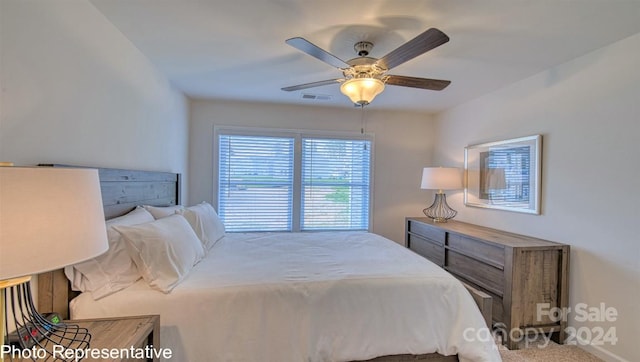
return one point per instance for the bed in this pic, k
(321, 296)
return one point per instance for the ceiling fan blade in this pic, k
(422, 83)
(421, 44)
(311, 85)
(307, 47)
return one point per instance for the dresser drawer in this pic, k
(428, 249)
(497, 306)
(477, 249)
(484, 275)
(427, 232)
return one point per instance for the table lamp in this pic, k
(441, 178)
(49, 218)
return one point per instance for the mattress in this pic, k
(321, 296)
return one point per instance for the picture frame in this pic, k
(504, 175)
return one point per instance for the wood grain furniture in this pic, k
(123, 190)
(517, 271)
(123, 333)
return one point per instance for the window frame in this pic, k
(297, 135)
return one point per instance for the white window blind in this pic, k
(255, 183)
(335, 184)
(288, 181)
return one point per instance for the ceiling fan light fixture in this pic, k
(362, 91)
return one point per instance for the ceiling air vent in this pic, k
(318, 97)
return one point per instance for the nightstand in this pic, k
(122, 333)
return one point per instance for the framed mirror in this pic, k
(504, 175)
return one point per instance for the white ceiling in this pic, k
(235, 49)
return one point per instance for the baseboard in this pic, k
(598, 351)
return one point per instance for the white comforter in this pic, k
(306, 297)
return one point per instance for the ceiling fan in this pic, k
(364, 76)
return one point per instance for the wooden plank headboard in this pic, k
(122, 190)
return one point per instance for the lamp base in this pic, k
(46, 338)
(439, 211)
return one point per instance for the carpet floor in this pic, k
(552, 352)
(534, 352)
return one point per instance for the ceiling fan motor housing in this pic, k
(363, 67)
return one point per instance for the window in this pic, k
(292, 181)
(255, 182)
(335, 184)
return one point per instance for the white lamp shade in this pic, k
(362, 90)
(441, 178)
(49, 218)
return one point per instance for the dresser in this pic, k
(522, 274)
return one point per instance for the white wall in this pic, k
(587, 111)
(403, 145)
(76, 91)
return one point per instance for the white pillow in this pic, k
(164, 250)
(205, 222)
(113, 270)
(159, 212)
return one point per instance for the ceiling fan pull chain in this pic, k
(363, 121)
